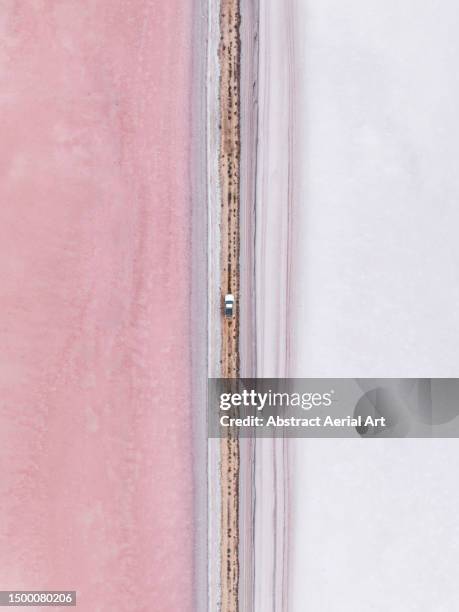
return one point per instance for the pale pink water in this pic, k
(95, 443)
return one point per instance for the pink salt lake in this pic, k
(95, 443)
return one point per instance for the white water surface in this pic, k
(376, 211)
(370, 175)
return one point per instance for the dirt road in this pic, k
(229, 53)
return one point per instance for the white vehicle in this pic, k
(229, 305)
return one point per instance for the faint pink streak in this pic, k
(95, 444)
